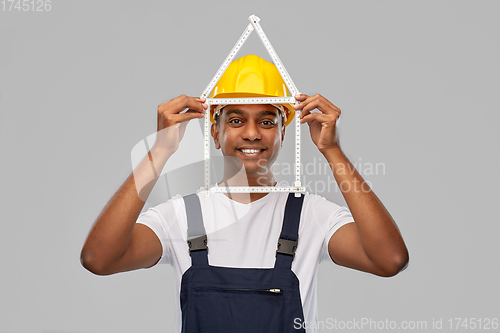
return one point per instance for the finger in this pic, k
(309, 104)
(321, 103)
(193, 103)
(301, 97)
(182, 102)
(178, 106)
(324, 119)
(194, 111)
(187, 116)
(303, 101)
(312, 104)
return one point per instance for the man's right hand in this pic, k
(172, 120)
(115, 242)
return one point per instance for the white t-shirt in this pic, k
(246, 236)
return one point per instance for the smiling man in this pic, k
(246, 262)
(253, 135)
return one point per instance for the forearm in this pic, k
(378, 232)
(111, 233)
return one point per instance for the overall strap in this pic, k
(287, 244)
(197, 237)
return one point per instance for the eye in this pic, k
(235, 121)
(268, 123)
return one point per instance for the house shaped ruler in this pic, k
(297, 188)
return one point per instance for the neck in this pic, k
(242, 178)
(247, 179)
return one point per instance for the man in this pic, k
(242, 230)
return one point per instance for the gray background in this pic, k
(418, 85)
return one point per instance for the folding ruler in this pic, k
(254, 25)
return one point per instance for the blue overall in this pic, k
(224, 299)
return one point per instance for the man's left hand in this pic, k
(322, 125)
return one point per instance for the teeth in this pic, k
(250, 151)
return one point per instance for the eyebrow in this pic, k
(261, 113)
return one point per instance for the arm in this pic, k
(115, 242)
(373, 242)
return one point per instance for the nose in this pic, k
(251, 132)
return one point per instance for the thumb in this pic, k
(188, 116)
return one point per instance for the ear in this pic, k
(283, 135)
(215, 135)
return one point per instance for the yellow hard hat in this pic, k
(251, 76)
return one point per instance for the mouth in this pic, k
(251, 151)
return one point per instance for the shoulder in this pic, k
(319, 204)
(173, 204)
(326, 215)
(164, 215)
